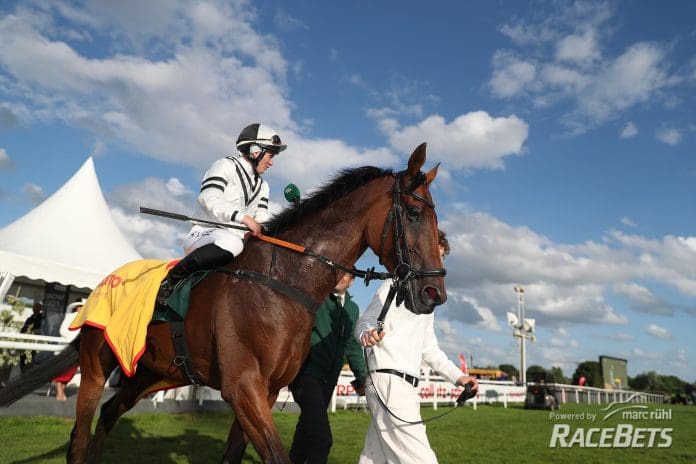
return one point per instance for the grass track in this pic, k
(491, 434)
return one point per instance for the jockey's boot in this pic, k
(206, 257)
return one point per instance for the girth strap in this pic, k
(182, 358)
(274, 284)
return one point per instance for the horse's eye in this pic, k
(413, 213)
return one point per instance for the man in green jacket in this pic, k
(313, 387)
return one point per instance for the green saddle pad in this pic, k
(178, 303)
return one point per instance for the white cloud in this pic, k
(149, 102)
(557, 59)
(527, 34)
(628, 131)
(627, 221)
(8, 119)
(633, 77)
(623, 337)
(153, 237)
(98, 148)
(669, 136)
(565, 284)
(314, 160)
(34, 192)
(177, 188)
(5, 161)
(659, 332)
(564, 78)
(467, 309)
(511, 75)
(578, 47)
(446, 328)
(645, 301)
(355, 79)
(472, 140)
(667, 259)
(286, 22)
(635, 292)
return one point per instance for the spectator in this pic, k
(314, 385)
(31, 326)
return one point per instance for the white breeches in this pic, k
(224, 238)
(389, 440)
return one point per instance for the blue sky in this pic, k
(563, 129)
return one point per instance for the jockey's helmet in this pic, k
(261, 136)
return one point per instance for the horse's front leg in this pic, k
(250, 400)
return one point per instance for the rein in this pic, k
(466, 394)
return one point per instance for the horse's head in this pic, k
(407, 243)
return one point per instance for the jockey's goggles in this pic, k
(273, 148)
(263, 149)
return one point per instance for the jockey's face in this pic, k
(265, 163)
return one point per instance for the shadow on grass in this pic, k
(126, 443)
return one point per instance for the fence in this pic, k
(15, 341)
(592, 395)
(433, 390)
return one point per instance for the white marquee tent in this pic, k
(70, 238)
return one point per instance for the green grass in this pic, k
(490, 434)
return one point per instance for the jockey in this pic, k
(232, 192)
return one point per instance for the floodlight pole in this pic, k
(519, 290)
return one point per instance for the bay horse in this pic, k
(246, 338)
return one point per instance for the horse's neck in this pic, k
(337, 233)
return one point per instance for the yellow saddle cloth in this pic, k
(122, 305)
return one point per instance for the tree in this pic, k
(10, 357)
(510, 370)
(654, 382)
(592, 373)
(536, 374)
(555, 375)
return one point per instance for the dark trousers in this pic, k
(312, 441)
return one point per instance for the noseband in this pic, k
(404, 273)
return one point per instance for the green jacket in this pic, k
(332, 338)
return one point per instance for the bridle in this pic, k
(403, 274)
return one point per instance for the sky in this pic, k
(563, 127)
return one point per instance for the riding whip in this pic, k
(182, 217)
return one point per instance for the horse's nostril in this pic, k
(431, 292)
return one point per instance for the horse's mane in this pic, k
(340, 185)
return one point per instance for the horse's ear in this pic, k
(417, 160)
(431, 175)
